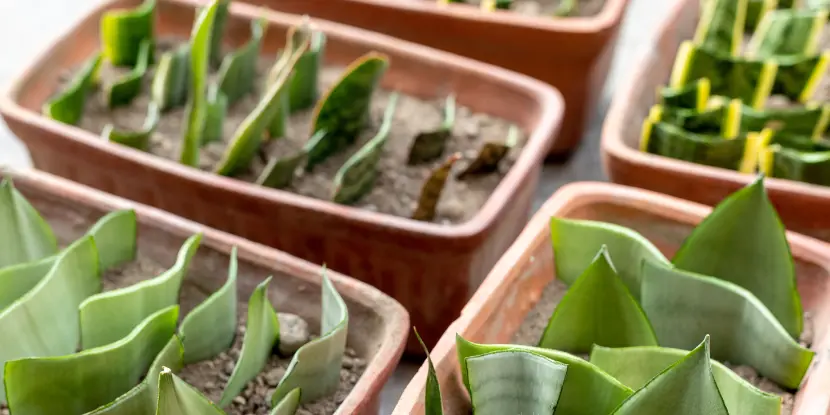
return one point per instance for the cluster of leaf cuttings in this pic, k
(809, 166)
(597, 309)
(357, 176)
(798, 77)
(566, 8)
(750, 80)
(248, 136)
(694, 95)
(489, 156)
(721, 26)
(492, 5)
(315, 367)
(636, 366)
(82, 382)
(789, 32)
(127, 87)
(68, 106)
(344, 112)
(586, 390)
(170, 82)
(432, 189)
(669, 140)
(430, 145)
(303, 89)
(123, 31)
(139, 139)
(238, 71)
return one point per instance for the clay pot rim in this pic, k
(548, 99)
(568, 198)
(392, 314)
(613, 147)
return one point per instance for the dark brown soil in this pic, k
(530, 332)
(398, 185)
(584, 8)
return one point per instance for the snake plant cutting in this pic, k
(80, 350)
(750, 106)
(657, 334)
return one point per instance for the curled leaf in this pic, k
(68, 106)
(170, 82)
(303, 90)
(26, 237)
(430, 145)
(140, 139)
(123, 31)
(721, 26)
(788, 33)
(127, 87)
(432, 189)
(490, 155)
(238, 70)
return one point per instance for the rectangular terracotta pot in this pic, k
(515, 284)
(802, 206)
(378, 325)
(431, 269)
(572, 54)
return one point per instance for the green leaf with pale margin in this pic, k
(140, 139)
(289, 404)
(262, 331)
(357, 176)
(597, 309)
(805, 166)
(26, 236)
(798, 77)
(685, 388)
(109, 316)
(587, 389)
(693, 95)
(84, 381)
(514, 382)
(218, 32)
(238, 70)
(303, 89)
(217, 110)
(17, 280)
(248, 137)
(811, 121)
(430, 145)
(432, 189)
(576, 242)
(127, 87)
(68, 106)
(490, 155)
(45, 320)
(788, 33)
(721, 26)
(669, 140)
(210, 328)
(279, 172)
(433, 404)
(744, 242)
(683, 307)
(123, 30)
(142, 399)
(197, 105)
(177, 397)
(315, 368)
(635, 366)
(344, 111)
(170, 82)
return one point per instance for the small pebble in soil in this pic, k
(293, 333)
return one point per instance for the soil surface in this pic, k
(398, 185)
(530, 332)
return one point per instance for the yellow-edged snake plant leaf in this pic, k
(694, 95)
(669, 140)
(303, 90)
(177, 397)
(430, 145)
(123, 30)
(788, 32)
(597, 309)
(140, 139)
(810, 121)
(84, 381)
(45, 320)
(433, 404)
(587, 389)
(289, 404)
(636, 366)
(744, 242)
(170, 82)
(357, 176)
(197, 103)
(126, 88)
(576, 242)
(248, 136)
(210, 328)
(315, 368)
(109, 316)
(721, 26)
(26, 235)
(238, 71)
(798, 77)
(687, 387)
(68, 105)
(805, 166)
(683, 307)
(490, 155)
(432, 188)
(515, 382)
(344, 111)
(262, 331)
(757, 9)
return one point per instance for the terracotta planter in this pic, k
(431, 269)
(573, 54)
(500, 305)
(378, 325)
(802, 206)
